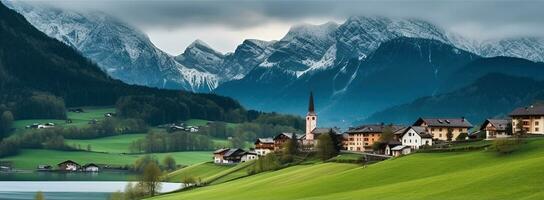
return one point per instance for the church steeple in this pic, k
(311, 110)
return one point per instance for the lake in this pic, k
(67, 190)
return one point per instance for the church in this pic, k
(312, 132)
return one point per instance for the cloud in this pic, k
(477, 19)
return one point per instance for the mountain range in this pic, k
(361, 66)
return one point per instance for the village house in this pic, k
(415, 137)
(400, 150)
(90, 167)
(228, 156)
(531, 118)
(281, 138)
(438, 127)
(363, 137)
(389, 146)
(264, 146)
(44, 168)
(68, 165)
(497, 128)
(249, 155)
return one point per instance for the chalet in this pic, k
(218, 155)
(416, 136)
(390, 146)
(228, 156)
(497, 128)
(281, 138)
(439, 127)
(249, 155)
(68, 165)
(90, 167)
(363, 137)
(233, 155)
(531, 119)
(264, 146)
(400, 150)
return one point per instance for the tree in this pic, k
(505, 145)
(169, 162)
(150, 179)
(142, 162)
(386, 136)
(238, 140)
(449, 134)
(520, 130)
(6, 122)
(462, 137)
(325, 147)
(290, 149)
(39, 196)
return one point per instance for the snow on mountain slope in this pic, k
(200, 55)
(119, 49)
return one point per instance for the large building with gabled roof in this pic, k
(438, 127)
(531, 117)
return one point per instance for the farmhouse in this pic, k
(90, 167)
(228, 156)
(416, 136)
(439, 127)
(497, 128)
(531, 119)
(363, 137)
(281, 138)
(264, 146)
(68, 165)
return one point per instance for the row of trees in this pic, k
(169, 142)
(6, 123)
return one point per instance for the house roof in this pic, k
(374, 128)
(499, 124)
(90, 165)
(318, 131)
(420, 130)
(290, 135)
(264, 140)
(68, 162)
(528, 111)
(220, 150)
(234, 152)
(444, 122)
(399, 147)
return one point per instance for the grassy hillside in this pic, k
(113, 144)
(211, 173)
(458, 175)
(30, 158)
(78, 119)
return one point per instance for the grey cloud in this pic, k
(492, 15)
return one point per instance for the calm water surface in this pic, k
(64, 190)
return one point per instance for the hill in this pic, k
(493, 95)
(458, 175)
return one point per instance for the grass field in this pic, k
(113, 144)
(30, 158)
(202, 122)
(197, 171)
(455, 175)
(78, 119)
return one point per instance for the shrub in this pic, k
(461, 137)
(506, 146)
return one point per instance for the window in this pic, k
(525, 122)
(313, 118)
(440, 129)
(536, 129)
(416, 140)
(536, 123)
(404, 140)
(432, 129)
(439, 135)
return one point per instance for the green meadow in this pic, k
(31, 158)
(481, 174)
(78, 119)
(112, 144)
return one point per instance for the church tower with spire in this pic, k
(311, 119)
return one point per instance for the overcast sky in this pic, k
(173, 25)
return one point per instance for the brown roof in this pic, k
(265, 140)
(499, 124)
(68, 161)
(375, 128)
(444, 122)
(220, 151)
(290, 135)
(528, 111)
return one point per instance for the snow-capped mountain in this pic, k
(200, 55)
(122, 51)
